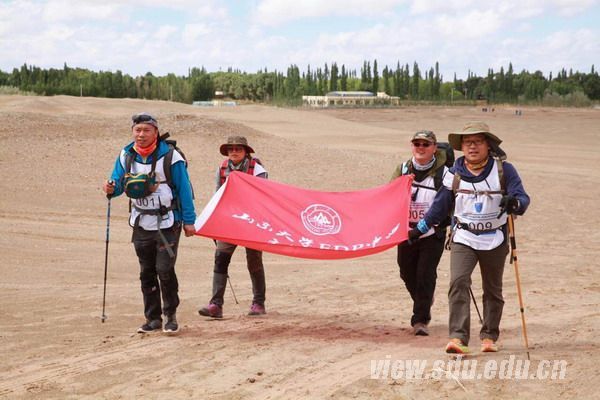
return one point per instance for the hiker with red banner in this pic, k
(239, 158)
(418, 259)
(481, 189)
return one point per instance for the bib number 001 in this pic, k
(145, 202)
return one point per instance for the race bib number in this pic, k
(152, 202)
(417, 211)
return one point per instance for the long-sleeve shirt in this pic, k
(444, 201)
(181, 186)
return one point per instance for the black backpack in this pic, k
(439, 174)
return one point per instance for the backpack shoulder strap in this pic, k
(500, 165)
(455, 183)
(438, 178)
(222, 169)
(406, 168)
(252, 164)
(168, 159)
(129, 157)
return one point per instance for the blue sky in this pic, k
(137, 36)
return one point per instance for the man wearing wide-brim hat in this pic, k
(473, 128)
(480, 190)
(239, 158)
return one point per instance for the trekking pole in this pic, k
(477, 308)
(231, 286)
(514, 261)
(108, 196)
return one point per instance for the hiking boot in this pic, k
(211, 310)
(257, 309)
(420, 329)
(171, 326)
(456, 346)
(150, 326)
(488, 346)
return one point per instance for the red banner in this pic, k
(283, 219)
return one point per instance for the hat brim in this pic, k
(223, 148)
(427, 139)
(455, 138)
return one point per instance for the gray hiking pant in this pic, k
(255, 268)
(462, 263)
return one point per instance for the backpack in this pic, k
(439, 175)
(444, 147)
(130, 156)
(225, 165)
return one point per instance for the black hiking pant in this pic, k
(418, 269)
(157, 270)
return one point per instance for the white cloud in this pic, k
(165, 32)
(573, 7)
(277, 12)
(441, 6)
(65, 10)
(472, 25)
(192, 33)
(474, 35)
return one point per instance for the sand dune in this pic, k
(327, 320)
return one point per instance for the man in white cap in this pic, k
(481, 189)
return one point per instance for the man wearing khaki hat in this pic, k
(481, 189)
(239, 158)
(418, 259)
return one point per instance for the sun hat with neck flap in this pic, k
(236, 141)
(473, 128)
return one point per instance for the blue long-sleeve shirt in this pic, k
(181, 186)
(444, 199)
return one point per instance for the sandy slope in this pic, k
(327, 320)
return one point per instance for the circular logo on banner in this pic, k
(321, 220)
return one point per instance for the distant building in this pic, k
(350, 99)
(214, 103)
(350, 94)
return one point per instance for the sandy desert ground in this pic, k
(327, 320)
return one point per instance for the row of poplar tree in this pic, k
(408, 83)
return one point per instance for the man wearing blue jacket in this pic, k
(161, 203)
(480, 189)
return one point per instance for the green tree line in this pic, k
(402, 80)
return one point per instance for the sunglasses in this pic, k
(142, 118)
(421, 144)
(234, 149)
(469, 143)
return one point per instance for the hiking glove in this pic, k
(509, 203)
(413, 235)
